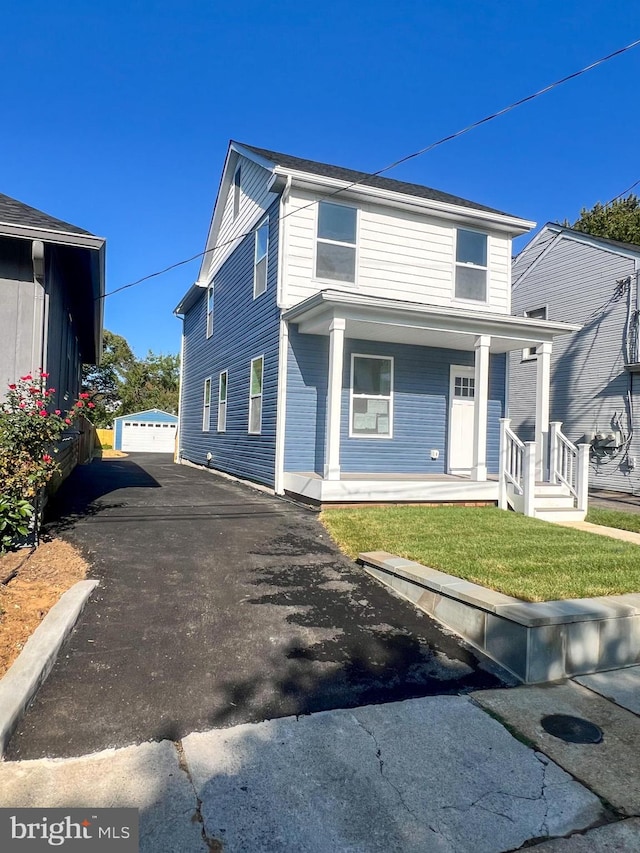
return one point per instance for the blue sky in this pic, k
(116, 115)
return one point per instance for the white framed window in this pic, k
(471, 265)
(371, 408)
(255, 395)
(336, 242)
(534, 314)
(260, 262)
(206, 406)
(464, 387)
(222, 400)
(237, 191)
(209, 311)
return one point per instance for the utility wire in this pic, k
(624, 192)
(368, 175)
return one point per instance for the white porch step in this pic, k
(544, 501)
(559, 514)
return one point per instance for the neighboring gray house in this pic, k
(566, 275)
(51, 287)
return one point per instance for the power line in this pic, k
(368, 175)
(624, 192)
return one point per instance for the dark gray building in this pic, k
(52, 278)
(569, 276)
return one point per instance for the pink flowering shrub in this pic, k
(29, 431)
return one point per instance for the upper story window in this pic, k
(255, 395)
(237, 189)
(206, 407)
(209, 311)
(371, 396)
(534, 314)
(336, 243)
(471, 265)
(222, 400)
(260, 266)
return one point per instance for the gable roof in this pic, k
(287, 161)
(152, 412)
(14, 212)
(632, 248)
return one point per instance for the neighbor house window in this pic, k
(209, 311)
(534, 314)
(237, 189)
(260, 264)
(336, 243)
(471, 265)
(255, 396)
(206, 408)
(371, 396)
(222, 401)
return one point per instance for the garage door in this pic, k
(149, 437)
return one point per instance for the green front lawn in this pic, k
(522, 557)
(615, 518)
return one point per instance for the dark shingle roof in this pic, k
(289, 162)
(14, 212)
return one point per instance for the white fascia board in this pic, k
(499, 222)
(189, 298)
(592, 241)
(501, 325)
(251, 155)
(47, 235)
(216, 214)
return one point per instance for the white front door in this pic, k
(461, 405)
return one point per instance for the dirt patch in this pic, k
(43, 575)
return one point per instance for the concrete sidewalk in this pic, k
(429, 774)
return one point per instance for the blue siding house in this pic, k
(346, 339)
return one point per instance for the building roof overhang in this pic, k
(395, 321)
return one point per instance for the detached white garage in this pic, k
(152, 431)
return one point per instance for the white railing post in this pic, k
(502, 475)
(582, 477)
(529, 477)
(555, 427)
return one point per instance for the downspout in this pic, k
(283, 348)
(40, 331)
(178, 451)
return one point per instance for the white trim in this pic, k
(281, 406)
(236, 201)
(222, 373)
(263, 224)
(283, 246)
(255, 396)
(334, 399)
(206, 409)
(497, 221)
(209, 313)
(354, 245)
(353, 434)
(454, 369)
(466, 300)
(482, 358)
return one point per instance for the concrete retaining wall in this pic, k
(536, 641)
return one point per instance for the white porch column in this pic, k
(543, 379)
(334, 399)
(479, 471)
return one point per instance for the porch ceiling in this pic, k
(394, 321)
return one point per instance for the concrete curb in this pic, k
(28, 672)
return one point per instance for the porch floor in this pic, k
(365, 487)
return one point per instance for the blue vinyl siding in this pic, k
(420, 402)
(148, 416)
(243, 329)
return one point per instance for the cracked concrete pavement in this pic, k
(430, 774)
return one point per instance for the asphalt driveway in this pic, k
(219, 604)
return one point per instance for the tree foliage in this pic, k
(619, 220)
(122, 383)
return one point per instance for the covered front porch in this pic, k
(378, 440)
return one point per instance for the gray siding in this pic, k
(63, 355)
(589, 386)
(243, 329)
(21, 300)
(421, 408)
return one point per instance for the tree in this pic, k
(151, 383)
(619, 220)
(104, 382)
(122, 384)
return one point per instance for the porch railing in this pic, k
(569, 464)
(511, 462)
